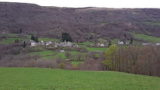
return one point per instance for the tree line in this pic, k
(133, 59)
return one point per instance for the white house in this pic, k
(100, 44)
(63, 44)
(62, 51)
(54, 44)
(33, 43)
(120, 42)
(157, 44)
(49, 43)
(144, 44)
(42, 43)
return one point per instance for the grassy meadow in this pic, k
(11, 38)
(147, 38)
(56, 79)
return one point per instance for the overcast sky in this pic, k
(94, 3)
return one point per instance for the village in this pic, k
(55, 44)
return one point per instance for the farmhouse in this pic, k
(101, 45)
(157, 44)
(123, 42)
(120, 42)
(144, 44)
(33, 43)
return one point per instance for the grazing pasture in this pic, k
(94, 49)
(147, 38)
(48, 39)
(50, 54)
(55, 79)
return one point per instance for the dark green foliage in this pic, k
(124, 38)
(66, 37)
(24, 44)
(34, 38)
(109, 43)
(131, 41)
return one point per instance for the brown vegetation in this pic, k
(132, 59)
(135, 59)
(81, 23)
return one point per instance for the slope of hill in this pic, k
(50, 79)
(81, 23)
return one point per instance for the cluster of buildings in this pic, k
(145, 44)
(53, 44)
(122, 42)
(70, 44)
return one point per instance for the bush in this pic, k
(62, 65)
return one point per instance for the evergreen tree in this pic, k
(24, 44)
(109, 43)
(34, 38)
(66, 37)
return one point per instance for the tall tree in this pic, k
(24, 44)
(34, 38)
(66, 37)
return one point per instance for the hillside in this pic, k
(53, 79)
(82, 23)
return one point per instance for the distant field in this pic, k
(53, 79)
(50, 54)
(153, 23)
(147, 37)
(10, 38)
(93, 49)
(9, 35)
(48, 39)
(86, 43)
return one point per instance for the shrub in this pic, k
(62, 65)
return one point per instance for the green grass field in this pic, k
(153, 23)
(48, 39)
(54, 79)
(86, 43)
(9, 35)
(94, 49)
(147, 38)
(49, 54)
(9, 40)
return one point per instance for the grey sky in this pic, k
(94, 3)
